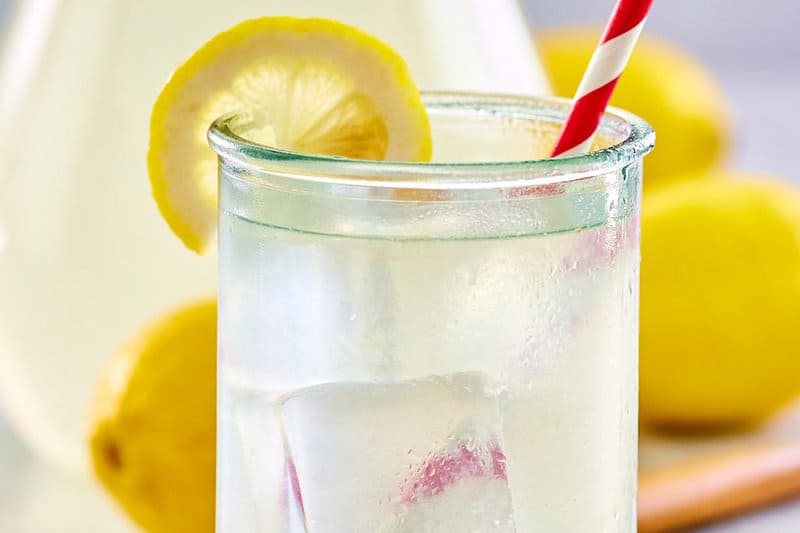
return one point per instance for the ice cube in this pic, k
(472, 505)
(399, 457)
(457, 490)
(268, 480)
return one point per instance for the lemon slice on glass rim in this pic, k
(315, 85)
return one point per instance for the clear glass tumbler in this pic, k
(438, 347)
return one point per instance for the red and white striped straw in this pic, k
(601, 76)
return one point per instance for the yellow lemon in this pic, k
(662, 84)
(311, 85)
(720, 302)
(153, 432)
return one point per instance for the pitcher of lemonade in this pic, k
(85, 258)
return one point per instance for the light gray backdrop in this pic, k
(753, 46)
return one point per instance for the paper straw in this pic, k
(601, 76)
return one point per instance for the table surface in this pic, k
(36, 498)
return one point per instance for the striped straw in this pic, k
(601, 76)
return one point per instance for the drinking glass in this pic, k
(444, 346)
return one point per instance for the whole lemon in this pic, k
(153, 423)
(663, 85)
(720, 302)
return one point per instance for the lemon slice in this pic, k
(313, 85)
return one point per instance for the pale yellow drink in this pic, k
(422, 347)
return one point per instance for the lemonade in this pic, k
(84, 256)
(412, 347)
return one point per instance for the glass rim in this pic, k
(343, 171)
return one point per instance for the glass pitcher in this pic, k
(85, 258)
